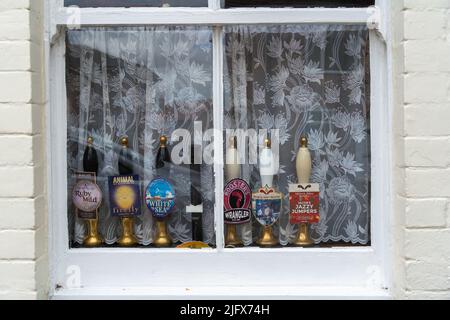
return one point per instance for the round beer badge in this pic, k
(160, 197)
(237, 202)
(87, 196)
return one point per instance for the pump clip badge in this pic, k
(86, 196)
(237, 202)
(304, 200)
(160, 197)
(267, 206)
(125, 195)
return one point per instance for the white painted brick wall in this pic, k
(23, 232)
(426, 138)
(426, 213)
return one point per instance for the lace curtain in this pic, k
(310, 80)
(138, 82)
(142, 82)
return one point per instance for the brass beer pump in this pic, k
(266, 157)
(163, 161)
(232, 171)
(126, 168)
(303, 166)
(90, 164)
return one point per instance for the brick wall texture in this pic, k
(23, 232)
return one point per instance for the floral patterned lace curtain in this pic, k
(310, 80)
(138, 82)
(142, 82)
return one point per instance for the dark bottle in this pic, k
(163, 159)
(125, 158)
(197, 226)
(196, 196)
(90, 158)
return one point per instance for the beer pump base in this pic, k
(267, 239)
(127, 239)
(231, 238)
(93, 239)
(303, 238)
(162, 242)
(162, 238)
(303, 243)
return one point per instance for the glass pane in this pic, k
(136, 3)
(298, 3)
(127, 88)
(303, 81)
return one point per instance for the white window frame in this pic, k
(341, 272)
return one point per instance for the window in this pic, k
(307, 80)
(139, 83)
(132, 79)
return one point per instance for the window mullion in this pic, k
(218, 132)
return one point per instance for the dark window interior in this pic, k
(298, 3)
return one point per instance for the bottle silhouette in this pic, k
(196, 197)
(90, 158)
(125, 158)
(163, 159)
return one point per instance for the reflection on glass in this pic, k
(139, 83)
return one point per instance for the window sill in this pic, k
(221, 293)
